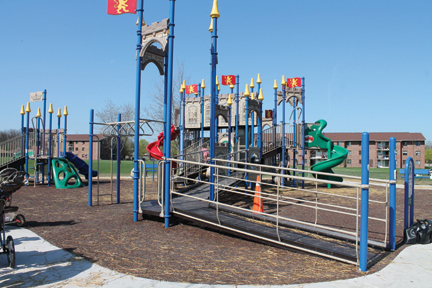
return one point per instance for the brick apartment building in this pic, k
(407, 145)
(79, 145)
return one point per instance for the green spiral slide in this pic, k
(336, 154)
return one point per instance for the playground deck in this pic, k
(243, 225)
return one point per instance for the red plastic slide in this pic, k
(154, 147)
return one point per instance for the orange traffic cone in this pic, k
(258, 201)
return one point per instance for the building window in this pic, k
(349, 152)
(349, 144)
(348, 161)
(360, 161)
(83, 149)
(305, 153)
(404, 143)
(360, 152)
(404, 153)
(417, 153)
(82, 142)
(418, 143)
(76, 148)
(417, 162)
(395, 152)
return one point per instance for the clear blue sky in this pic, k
(367, 64)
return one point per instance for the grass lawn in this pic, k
(105, 167)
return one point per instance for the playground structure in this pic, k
(232, 164)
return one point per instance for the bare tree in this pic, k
(428, 144)
(8, 134)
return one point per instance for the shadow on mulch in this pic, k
(107, 235)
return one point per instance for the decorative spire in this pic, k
(143, 22)
(252, 85)
(65, 112)
(259, 79)
(202, 84)
(181, 89)
(196, 93)
(59, 113)
(184, 85)
(38, 114)
(232, 86)
(22, 112)
(50, 109)
(218, 87)
(275, 84)
(283, 83)
(28, 110)
(217, 80)
(247, 93)
(229, 102)
(211, 26)
(260, 96)
(252, 96)
(215, 12)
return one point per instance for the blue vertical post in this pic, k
(182, 118)
(118, 158)
(50, 111)
(65, 113)
(27, 137)
(140, 10)
(214, 15)
(58, 132)
(259, 117)
(90, 179)
(237, 110)
(274, 119)
(246, 94)
(229, 128)
(392, 197)
(364, 202)
(167, 140)
(44, 118)
(409, 193)
(295, 138)
(252, 138)
(283, 129)
(37, 147)
(202, 110)
(22, 112)
(303, 128)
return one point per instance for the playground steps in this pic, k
(240, 226)
(17, 164)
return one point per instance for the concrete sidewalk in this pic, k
(40, 264)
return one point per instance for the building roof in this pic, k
(376, 136)
(82, 137)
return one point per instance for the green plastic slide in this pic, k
(336, 154)
(65, 174)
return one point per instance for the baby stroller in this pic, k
(11, 180)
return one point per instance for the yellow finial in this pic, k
(275, 85)
(217, 80)
(202, 84)
(259, 79)
(22, 112)
(65, 112)
(196, 93)
(218, 87)
(260, 96)
(252, 96)
(232, 86)
(59, 113)
(38, 114)
(246, 93)
(283, 83)
(252, 85)
(229, 102)
(184, 84)
(50, 110)
(28, 110)
(143, 22)
(211, 25)
(181, 89)
(215, 12)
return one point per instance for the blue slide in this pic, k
(82, 166)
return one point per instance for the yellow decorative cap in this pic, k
(229, 102)
(247, 93)
(38, 114)
(50, 109)
(22, 112)
(59, 113)
(181, 89)
(259, 79)
(283, 83)
(196, 93)
(184, 84)
(215, 12)
(252, 96)
(211, 25)
(143, 22)
(202, 84)
(275, 84)
(252, 83)
(217, 80)
(218, 88)
(232, 86)
(260, 96)
(28, 110)
(65, 112)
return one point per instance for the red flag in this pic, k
(228, 80)
(268, 114)
(117, 7)
(294, 82)
(190, 89)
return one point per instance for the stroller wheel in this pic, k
(10, 251)
(20, 220)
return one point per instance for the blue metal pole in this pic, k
(237, 109)
(274, 121)
(303, 128)
(58, 134)
(27, 140)
(364, 202)
(247, 137)
(140, 10)
(283, 130)
(295, 139)
(259, 119)
(118, 159)
(202, 113)
(49, 149)
(44, 118)
(37, 150)
(392, 197)
(213, 94)
(90, 179)
(409, 193)
(167, 140)
(252, 140)
(22, 132)
(65, 130)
